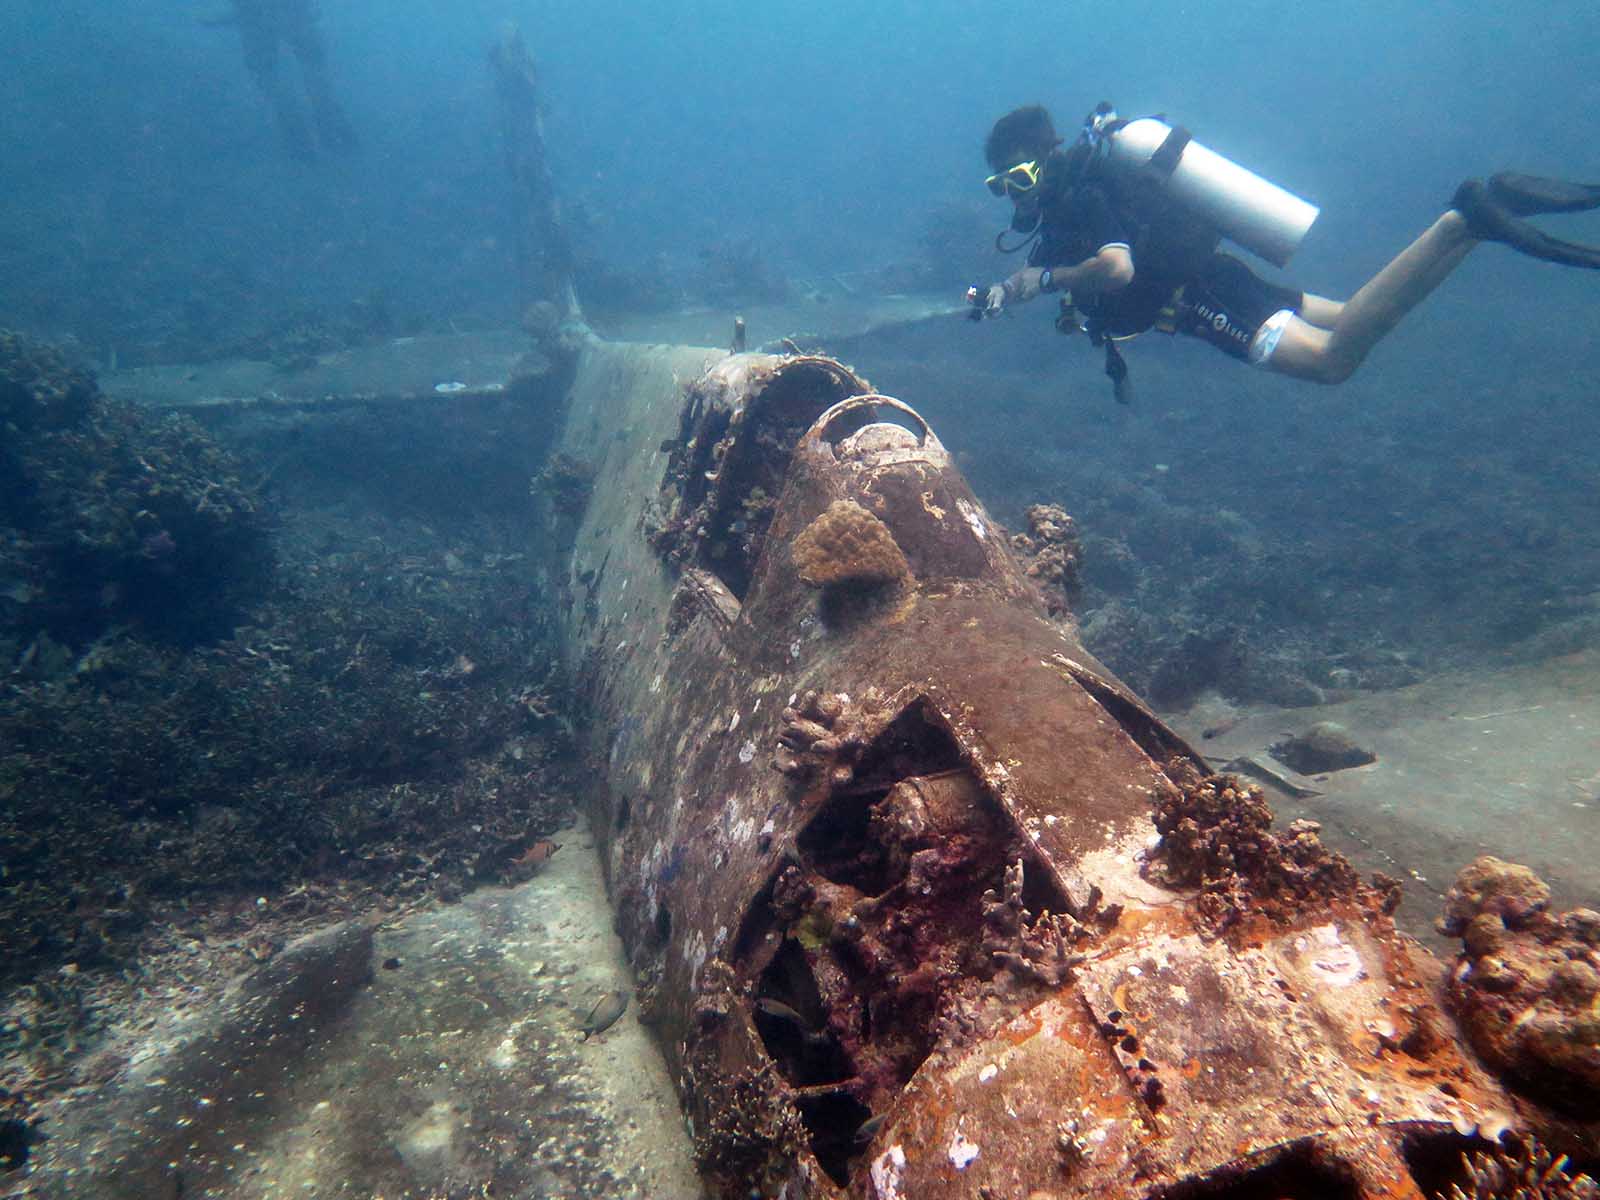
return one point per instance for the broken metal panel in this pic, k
(1185, 1060)
(738, 431)
(877, 830)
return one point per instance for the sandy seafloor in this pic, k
(460, 1071)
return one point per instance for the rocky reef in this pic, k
(1324, 746)
(112, 518)
(230, 710)
(1051, 555)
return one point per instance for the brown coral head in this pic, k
(1527, 987)
(848, 546)
(1488, 885)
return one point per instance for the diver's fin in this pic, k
(1491, 220)
(1530, 195)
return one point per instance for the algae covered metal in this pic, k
(921, 900)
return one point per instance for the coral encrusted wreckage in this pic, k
(1216, 836)
(924, 946)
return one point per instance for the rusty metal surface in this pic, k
(879, 833)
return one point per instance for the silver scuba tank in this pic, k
(1247, 209)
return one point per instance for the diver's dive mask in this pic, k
(1020, 179)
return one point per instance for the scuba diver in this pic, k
(1125, 223)
(265, 27)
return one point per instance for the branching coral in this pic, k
(1039, 949)
(1528, 1173)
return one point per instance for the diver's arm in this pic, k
(1108, 271)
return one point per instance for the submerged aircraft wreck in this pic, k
(920, 900)
(923, 902)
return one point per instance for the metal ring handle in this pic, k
(819, 427)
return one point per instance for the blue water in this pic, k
(148, 208)
(138, 158)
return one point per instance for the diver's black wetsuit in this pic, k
(1181, 283)
(265, 26)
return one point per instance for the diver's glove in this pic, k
(1019, 288)
(1026, 284)
(985, 301)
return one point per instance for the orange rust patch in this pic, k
(1140, 925)
(1022, 1029)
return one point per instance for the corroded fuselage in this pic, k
(883, 843)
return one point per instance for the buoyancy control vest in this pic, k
(1178, 199)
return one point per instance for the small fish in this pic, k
(782, 1012)
(535, 856)
(779, 1011)
(605, 1013)
(450, 388)
(868, 1130)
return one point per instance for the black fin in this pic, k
(1492, 221)
(1530, 195)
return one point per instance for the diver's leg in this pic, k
(305, 39)
(1332, 354)
(260, 45)
(1319, 310)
